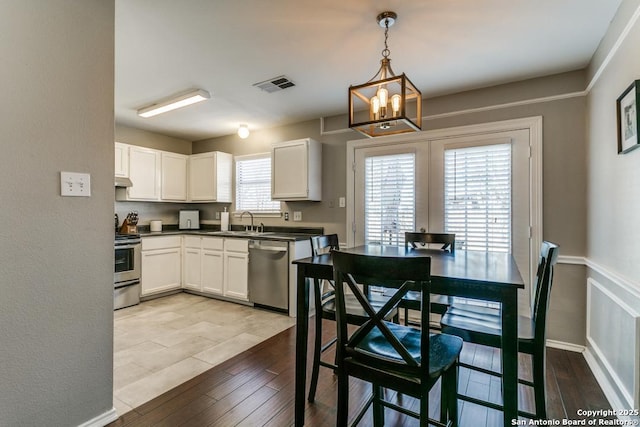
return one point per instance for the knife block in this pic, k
(128, 228)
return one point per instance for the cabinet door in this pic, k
(160, 270)
(202, 177)
(236, 269)
(192, 269)
(144, 172)
(121, 165)
(212, 271)
(289, 170)
(174, 177)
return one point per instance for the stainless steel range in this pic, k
(126, 275)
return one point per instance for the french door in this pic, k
(477, 186)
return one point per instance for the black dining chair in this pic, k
(389, 355)
(483, 325)
(417, 240)
(324, 298)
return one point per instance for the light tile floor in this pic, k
(164, 342)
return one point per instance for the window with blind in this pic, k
(389, 198)
(253, 184)
(477, 196)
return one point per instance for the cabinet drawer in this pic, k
(192, 242)
(236, 245)
(161, 242)
(213, 243)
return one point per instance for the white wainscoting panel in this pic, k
(613, 342)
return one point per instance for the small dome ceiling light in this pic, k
(243, 131)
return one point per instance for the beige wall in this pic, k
(143, 138)
(613, 203)
(56, 253)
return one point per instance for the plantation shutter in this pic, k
(477, 196)
(389, 198)
(253, 184)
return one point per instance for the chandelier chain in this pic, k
(386, 52)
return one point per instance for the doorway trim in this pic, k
(532, 124)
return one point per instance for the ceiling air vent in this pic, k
(275, 84)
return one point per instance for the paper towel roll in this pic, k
(224, 221)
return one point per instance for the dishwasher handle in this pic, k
(258, 245)
(269, 248)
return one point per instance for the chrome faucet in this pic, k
(251, 215)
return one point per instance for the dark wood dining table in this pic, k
(488, 276)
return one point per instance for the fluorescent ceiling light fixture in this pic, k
(177, 101)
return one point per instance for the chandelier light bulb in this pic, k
(395, 104)
(383, 96)
(375, 107)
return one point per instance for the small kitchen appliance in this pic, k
(189, 220)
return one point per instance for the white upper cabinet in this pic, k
(210, 177)
(296, 170)
(144, 172)
(121, 160)
(164, 176)
(174, 177)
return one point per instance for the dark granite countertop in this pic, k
(270, 233)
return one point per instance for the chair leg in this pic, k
(452, 404)
(342, 412)
(406, 316)
(424, 408)
(378, 409)
(317, 350)
(444, 398)
(540, 383)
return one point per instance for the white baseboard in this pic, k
(612, 393)
(102, 419)
(566, 346)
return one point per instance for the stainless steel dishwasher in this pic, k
(269, 274)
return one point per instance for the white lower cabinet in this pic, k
(192, 262)
(212, 271)
(236, 268)
(161, 264)
(216, 266)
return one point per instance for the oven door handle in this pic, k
(126, 283)
(133, 246)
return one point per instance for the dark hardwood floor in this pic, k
(256, 388)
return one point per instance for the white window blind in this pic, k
(477, 196)
(253, 184)
(389, 198)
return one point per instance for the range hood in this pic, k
(123, 182)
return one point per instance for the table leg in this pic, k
(302, 330)
(510, 355)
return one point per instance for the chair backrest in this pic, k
(323, 289)
(448, 240)
(324, 243)
(544, 279)
(403, 274)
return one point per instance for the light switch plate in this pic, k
(297, 216)
(75, 184)
(342, 202)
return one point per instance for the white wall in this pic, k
(56, 254)
(613, 230)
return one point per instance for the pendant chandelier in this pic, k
(383, 105)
